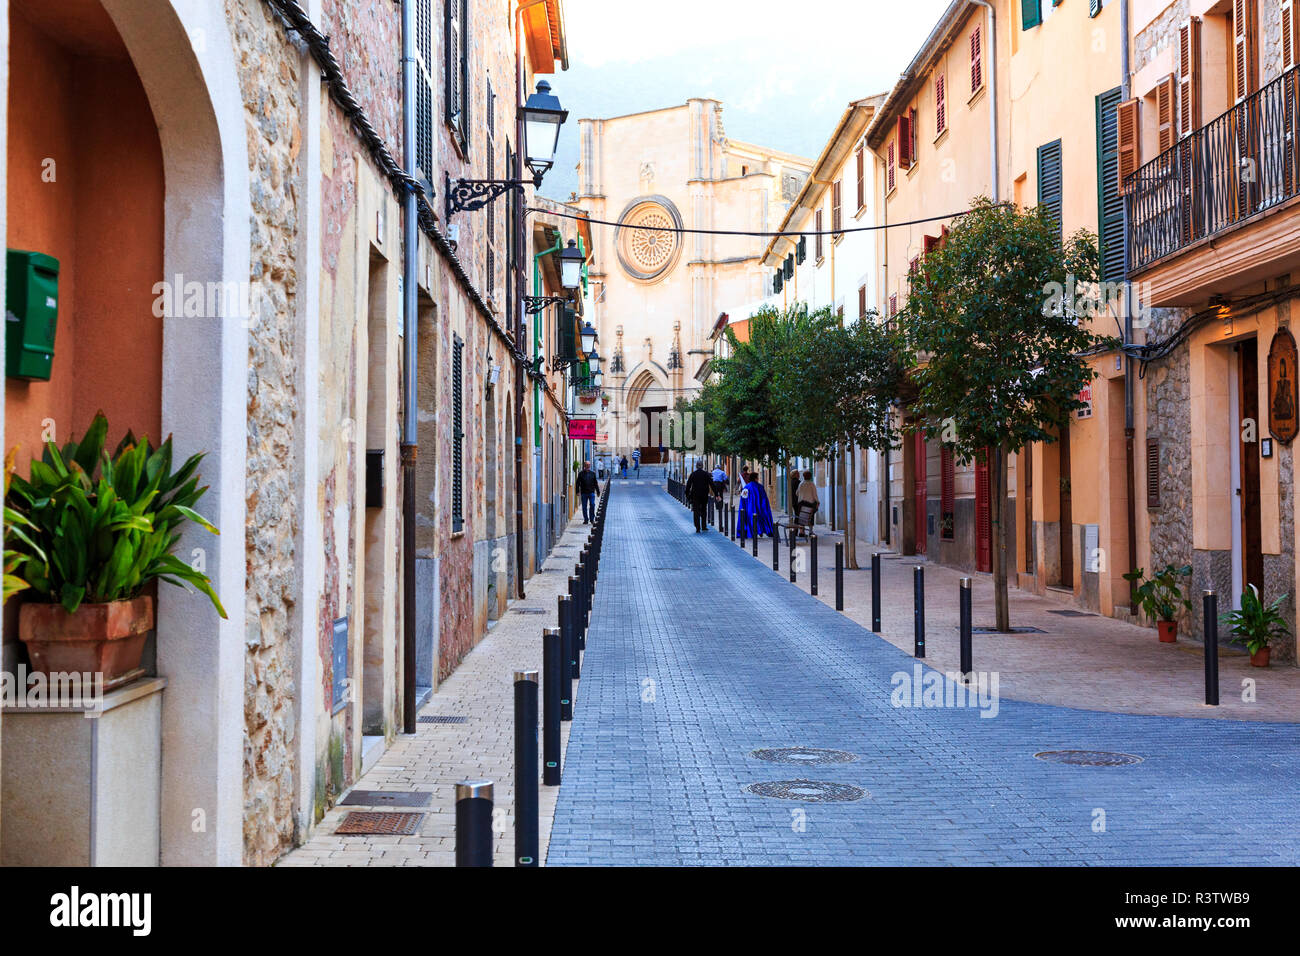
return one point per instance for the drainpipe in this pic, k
(410, 354)
(1130, 467)
(993, 94)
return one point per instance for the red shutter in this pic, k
(1126, 122)
(889, 168)
(940, 105)
(976, 61)
(893, 305)
(1165, 114)
(1189, 76)
(921, 491)
(905, 141)
(983, 524)
(931, 242)
(947, 491)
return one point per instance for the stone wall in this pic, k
(269, 78)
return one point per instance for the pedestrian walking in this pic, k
(636, 461)
(719, 477)
(698, 487)
(623, 464)
(587, 488)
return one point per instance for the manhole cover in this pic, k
(1068, 612)
(1015, 630)
(809, 756)
(1088, 758)
(387, 798)
(809, 791)
(528, 610)
(372, 824)
(441, 719)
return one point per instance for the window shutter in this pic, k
(947, 491)
(1049, 181)
(837, 196)
(466, 82)
(1243, 48)
(820, 237)
(801, 250)
(789, 266)
(1031, 14)
(862, 301)
(1165, 114)
(1094, 7)
(777, 281)
(1290, 27)
(1110, 201)
(457, 435)
(904, 135)
(567, 338)
(940, 105)
(976, 63)
(893, 305)
(1153, 473)
(452, 64)
(862, 178)
(1189, 76)
(889, 168)
(1126, 132)
(424, 67)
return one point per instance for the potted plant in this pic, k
(1160, 596)
(85, 535)
(1257, 624)
(604, 400)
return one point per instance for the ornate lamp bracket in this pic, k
(466, 195)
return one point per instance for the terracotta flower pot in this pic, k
(99, 638)
(1260, 657)
(1168, 631)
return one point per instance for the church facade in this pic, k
(656, 293)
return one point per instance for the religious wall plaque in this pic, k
(1283, 390)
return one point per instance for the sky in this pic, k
(784, 69)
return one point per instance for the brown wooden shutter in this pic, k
(1126, 122)
(947, 491)
(1189, 76)
(837, 206)
(1245, 68)
(940, 105)
(905, 141)
(976, 62)
(893, 305)
(862, 177)
(1153, 473)
(820, 237)
(1165, 90)
(889, 167)
(1290, 27)
(862, 301)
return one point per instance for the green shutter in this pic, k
(1049, 180)
(568, 336)
(1031, 13)
(1110, 204)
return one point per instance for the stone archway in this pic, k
(647, 398)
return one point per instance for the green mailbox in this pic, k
(31, 314)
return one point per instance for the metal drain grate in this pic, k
(809, 791)
(1088, 758)
(387, 798)
(1068, 612)
(528, 610)
(381, 824)
(809, 756)
(441, 719)
(989, 629)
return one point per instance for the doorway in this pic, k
(919, 491)
(1247, 546)
(1031, 554)
(1067, 512)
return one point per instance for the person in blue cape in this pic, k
(754, 516)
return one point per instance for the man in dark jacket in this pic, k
(698, 488)
(587, 487)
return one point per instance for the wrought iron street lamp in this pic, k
(543, 118)
(571, 260)
(589, 337)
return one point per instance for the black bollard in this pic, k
(1210, 607)
(575, 632)
(566, 656)
(792, 581)
(551, 706)
(527, 825)
(731, 520)
(812, 556)
(722, 518)
(776, 549)
(963, 608)
(918, 591)
(754, 545)
(839, 575)
(474, 823)
(875, 592)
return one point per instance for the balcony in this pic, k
(1219, 210)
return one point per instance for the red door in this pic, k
(919, 491)
(983, 526)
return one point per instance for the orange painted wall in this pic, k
(102, 218)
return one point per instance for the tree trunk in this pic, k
(851, 525)
(1001, 607)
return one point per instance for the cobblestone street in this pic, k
(699, 656)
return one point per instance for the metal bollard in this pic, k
(963, 607)
(474, 823)
(566, 656)
(792, 581)
(918, 592)
(812, 555)
(722, 517)
(754, 545)
(731, 520)
(575, 632)
(839, 575)
(551, 706)
(1210, 607)
(875, 592)
(527, 824)
(776, 549)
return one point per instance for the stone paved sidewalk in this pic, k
(438, 756)
(1090, 662)
(698, 660)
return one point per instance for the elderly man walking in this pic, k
(588, 485)
(699, 486)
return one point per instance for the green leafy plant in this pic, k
(1161, 595)
(1257, 624)
(87, 527)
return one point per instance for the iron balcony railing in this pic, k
(1236, 166)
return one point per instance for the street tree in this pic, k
(1000, 353)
